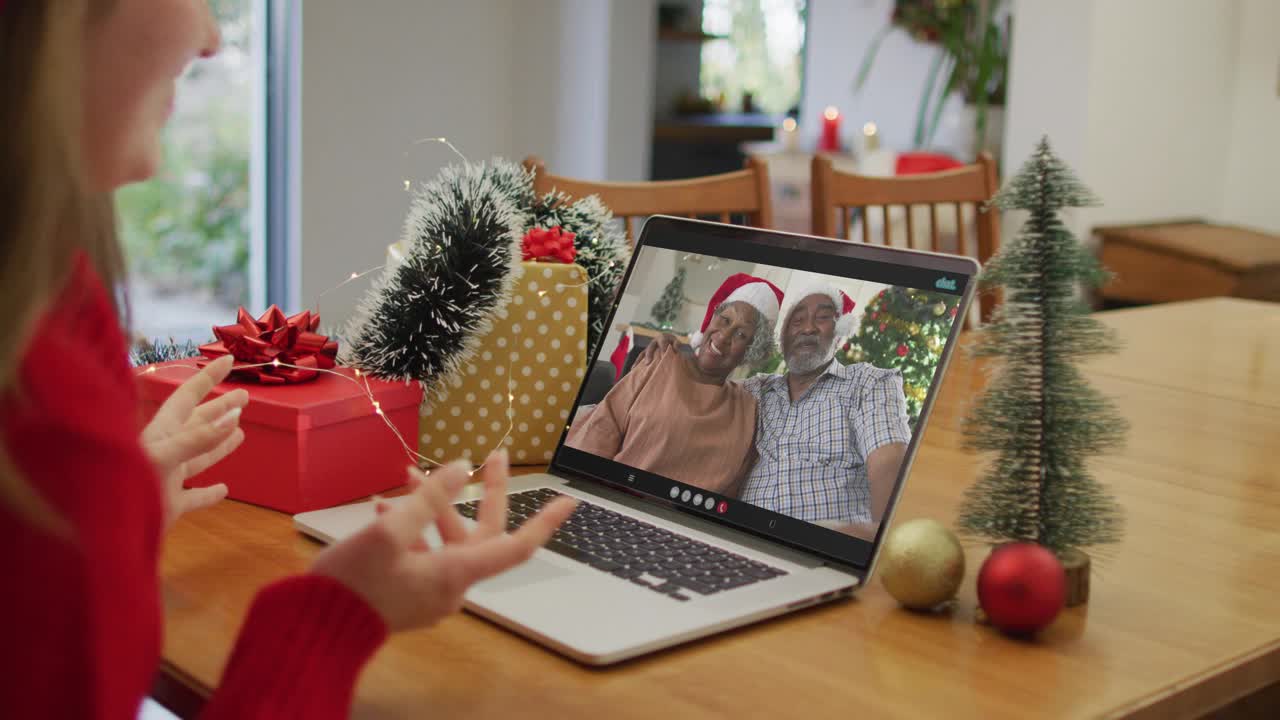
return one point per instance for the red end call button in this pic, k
(723, 507)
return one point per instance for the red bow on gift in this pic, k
(550, 245)
(292, 341)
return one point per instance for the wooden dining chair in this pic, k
(840, 197)
(739, 195)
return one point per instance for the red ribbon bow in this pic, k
(291, 341)
(549, 245)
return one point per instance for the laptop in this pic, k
(657, 554)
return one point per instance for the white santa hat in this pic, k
(759, 293)
(818, 286)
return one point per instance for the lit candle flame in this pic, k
(831, 113)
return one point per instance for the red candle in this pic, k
(830, 141)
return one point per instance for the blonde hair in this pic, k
(48, 212)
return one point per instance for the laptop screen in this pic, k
(771, 382)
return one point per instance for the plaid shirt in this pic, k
(813, 452)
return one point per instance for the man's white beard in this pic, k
(802, 362)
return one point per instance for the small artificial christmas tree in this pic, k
(667, 309)
(906, 329)
(1038, 414)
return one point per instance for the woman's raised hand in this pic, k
(411, 586)
(187, 435)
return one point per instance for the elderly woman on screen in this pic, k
(676, 415)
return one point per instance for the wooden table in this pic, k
(1184, 616)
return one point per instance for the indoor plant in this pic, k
(973, 36)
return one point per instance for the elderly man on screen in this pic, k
(831, 438)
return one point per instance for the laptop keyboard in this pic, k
(663, 561)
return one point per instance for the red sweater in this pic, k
(80, 620)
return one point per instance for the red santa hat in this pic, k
(759, 293)
(818, 286)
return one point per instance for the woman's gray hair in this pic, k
(762, 345)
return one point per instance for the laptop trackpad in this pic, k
(534, 571)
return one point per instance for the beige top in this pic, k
(659, 419)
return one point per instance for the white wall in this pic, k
(1165, 108)
(583, 75)
(372, 82)
(565, 79)
(1160, 98)
(633, 31)
(1048, 91)
(1251, 194)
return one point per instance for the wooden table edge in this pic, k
(1206, 691)
(179, 692)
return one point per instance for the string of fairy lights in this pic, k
(361, 378)
(361, 381)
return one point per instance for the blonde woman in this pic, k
(85, 493)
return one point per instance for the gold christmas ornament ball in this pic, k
(921, 564)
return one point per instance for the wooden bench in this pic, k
(1186, 260)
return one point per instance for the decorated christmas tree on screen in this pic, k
(906, 329)
(667, 309)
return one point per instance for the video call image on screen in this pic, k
(788, 390)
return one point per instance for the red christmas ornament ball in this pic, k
(1022, 587)
(902, 351)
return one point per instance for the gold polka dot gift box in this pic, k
(519, 387)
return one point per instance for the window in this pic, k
(762, 52)
(190, 232)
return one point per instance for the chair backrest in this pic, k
(743, 193)
(840, 197)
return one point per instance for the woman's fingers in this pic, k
(218, 407)
(195, 466)
(441, 488)
(492, 516)
(405, 522)
(382, 507)
(198, 498)
(190, 443)
(179, 405)
(491, 556)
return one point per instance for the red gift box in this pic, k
(309, 445)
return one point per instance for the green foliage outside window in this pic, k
(188, 228)
(762, 55)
